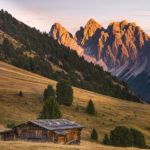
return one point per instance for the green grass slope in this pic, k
(110, 111)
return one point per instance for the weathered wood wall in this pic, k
(32, 132)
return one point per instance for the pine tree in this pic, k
(90, 109)
(21, 93)
(94, 135)
(49, 91)
(106, 140)
(8, 48)
(51, 109)
(64, 93)
(121, 136)
(139, 139)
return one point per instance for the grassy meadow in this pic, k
(111, 112)
(85, 145)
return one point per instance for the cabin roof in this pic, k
(5, 131)
(56, 124)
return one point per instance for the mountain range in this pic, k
(123, 49)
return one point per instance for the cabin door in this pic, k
(62, 139)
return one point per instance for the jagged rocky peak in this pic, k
(59, 33)
(92, 23)
(122, 48)
(124, 22)
(120, 42)
(88, 31)
(117, 27)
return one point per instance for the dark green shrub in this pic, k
(139, 140)
(51, 109)
(20, 93)
(90, 109)
(49, 91)
(121, 136)
(106, 140)
(64, 93)
(94, 135)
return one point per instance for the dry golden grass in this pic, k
(111, 112)
(85, 145)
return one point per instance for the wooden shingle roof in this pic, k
(56, 124)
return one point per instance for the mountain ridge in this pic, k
(122, 48)
(39, 50)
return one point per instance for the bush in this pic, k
(64, 93)
(121, 136)
(106, 140)
(20, 93)
(49, 91)
(51, 109)
(90, 109)
(139, 140)
(94, 135)
(10, 124)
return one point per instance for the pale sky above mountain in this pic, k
(75, 13)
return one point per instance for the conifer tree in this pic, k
(139, 139)
(20, 93)
(49, 91)
(94, 135)
(106, 140)
(90, 109)
(64, 93)
(51, 109)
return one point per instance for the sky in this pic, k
(73, 14)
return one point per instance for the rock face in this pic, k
(122, 49)
(119, 43)
(64, 37)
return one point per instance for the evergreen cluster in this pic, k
(51, 109)
(49, 91)
(94, 135)
(125, 137)
(64, 93)
(48, 50)
(90, 109)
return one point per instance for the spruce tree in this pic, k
(139, 140)
(64, 93)
(8, 48)
(121, 136)
(106, 140)
(51, 109)
(20, 93)
(49, 91)
(90, 109)
(94, 135)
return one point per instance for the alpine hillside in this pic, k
(41, 54)
(123, 49)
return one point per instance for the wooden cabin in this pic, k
(45, 130)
